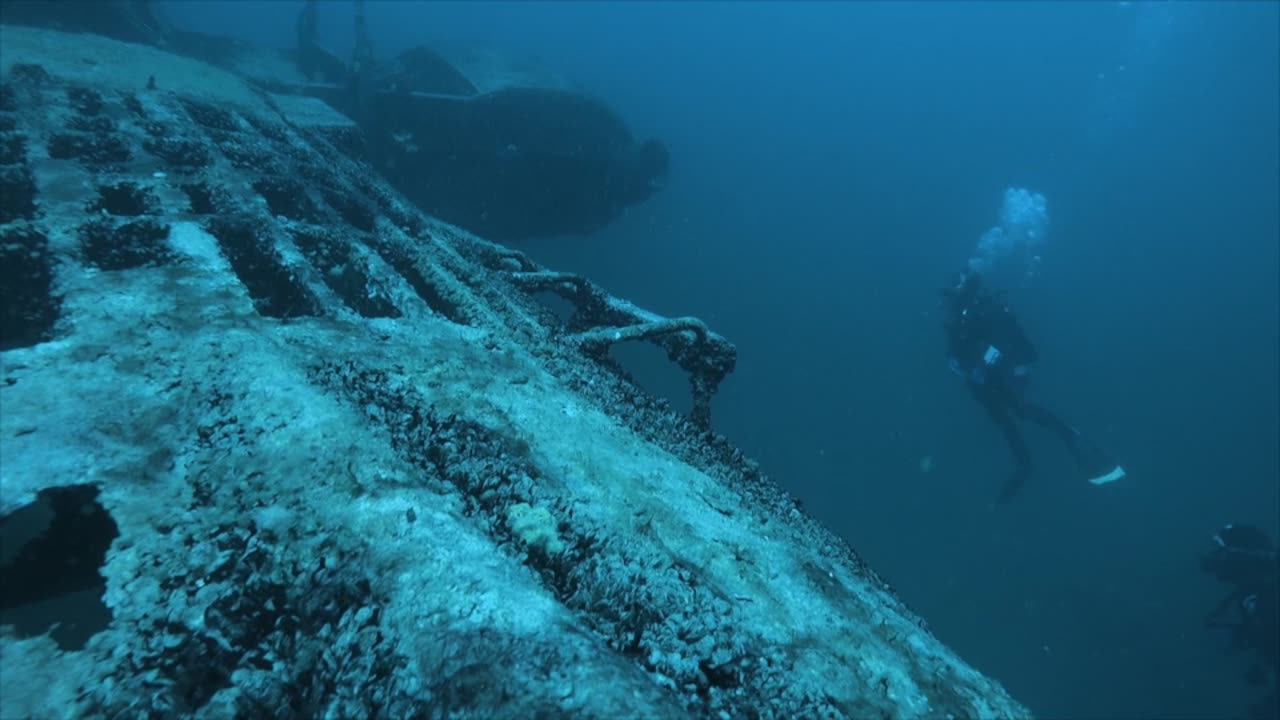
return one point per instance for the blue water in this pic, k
(832, 165)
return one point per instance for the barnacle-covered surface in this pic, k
(334, 458)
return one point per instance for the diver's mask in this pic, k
(964, 288)
(1239, 553)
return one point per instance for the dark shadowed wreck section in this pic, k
(507, 149)
(334, 459)
(487, 140)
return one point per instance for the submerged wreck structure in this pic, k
(274, 443)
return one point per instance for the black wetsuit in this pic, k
(1252, 613)
(988, 348)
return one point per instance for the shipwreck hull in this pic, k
(333, 458)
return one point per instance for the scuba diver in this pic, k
(1244, 558)
(988, 348)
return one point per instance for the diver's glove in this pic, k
(1019, 376)
(954, 366)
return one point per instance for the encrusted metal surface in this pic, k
(340, 462)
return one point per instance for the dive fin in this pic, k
(1099, 468)
(1112, 475)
